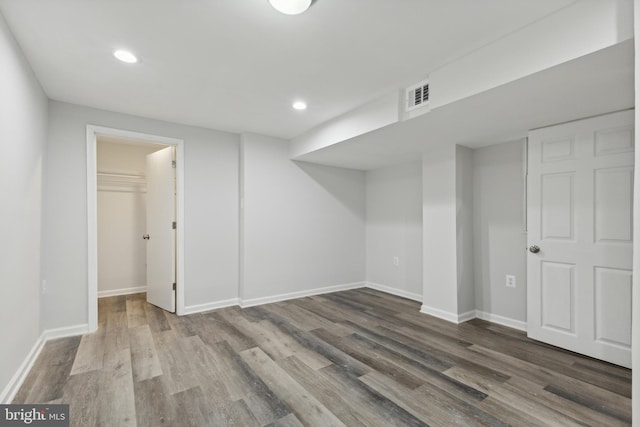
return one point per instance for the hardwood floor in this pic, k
(354, 358)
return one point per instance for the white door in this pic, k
(160, 229)
(579, 216)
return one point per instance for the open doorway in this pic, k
(124, 172)
(122, 215)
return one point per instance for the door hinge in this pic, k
(173, 164)
(173, 225)
(174, 286)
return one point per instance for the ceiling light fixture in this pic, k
(125, 56)
(290, 7)
(299, 105)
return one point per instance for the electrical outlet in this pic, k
(44, 286)
(510, 281)
(396, 261)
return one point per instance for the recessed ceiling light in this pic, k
(299, 105)
(125, 56)
(290, 7)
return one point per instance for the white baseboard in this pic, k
(68, 331)
(300, 294)
(123, 291)
(18, 378)
(199, 308)
(445, 315)
(394, 291)
(465, 317)
(441, 314)
(461, 318)
(501, 320)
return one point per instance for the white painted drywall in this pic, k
(366, 118)
(121, 211)
(464, 229)
(499, 238)
(439, 292)
(394, 227)
(121, 249)
(447, 222)
(120, 156)
(303, 224)
(211, 209)
(582, 28)
(635, 327)
(23, 134)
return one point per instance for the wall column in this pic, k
(447, 229)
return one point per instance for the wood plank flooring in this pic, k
(353, 358)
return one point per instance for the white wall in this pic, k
(23, 133)
(211, 209)
(121, 209)
(121, 249)
(582, 28)
(394, 228)
(635, 328)
(115, 155)
(464, 229)
(499, 238)
(303, 224)
(439, 225)
(366, 118)
(448, 258)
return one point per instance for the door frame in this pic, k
(92, 213)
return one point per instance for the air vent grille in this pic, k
(418, 96)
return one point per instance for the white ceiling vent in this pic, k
(418, 95)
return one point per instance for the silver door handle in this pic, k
(145, 237)
(534, 249)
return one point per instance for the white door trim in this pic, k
(92, 216)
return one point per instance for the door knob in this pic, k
(145, 237)
(534, 249)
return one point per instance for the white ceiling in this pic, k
(237, 65)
